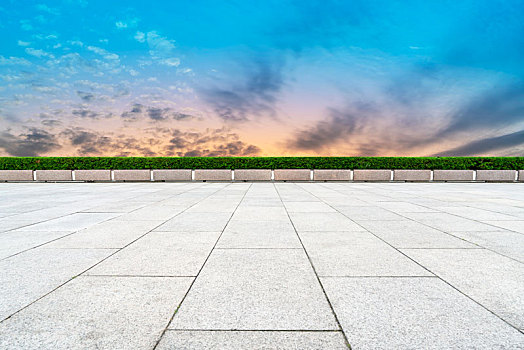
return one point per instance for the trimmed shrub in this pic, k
(444, 163)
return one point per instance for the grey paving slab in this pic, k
(258, 289)
(260, 213)
(414, 313)
(356, 254)
(493, 280)
(97, 313)
(507, 243)
(161, 254)
(30, 275)
(448, 222)
(517, 225)
(153, 212)
(405, 207)
(308, 207)
(14, 242)
(323, 222)
(188, 221)
(118, 207)
(411, 234)
(108, 234)
(367, 213)
(8, 224)
(477, 214)
(238, 340)
(259, 234)
(71, 222)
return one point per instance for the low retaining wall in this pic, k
(227, 175)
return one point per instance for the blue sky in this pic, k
(85, 77)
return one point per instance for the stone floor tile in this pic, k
(30, 275)
(507, 243)
(323, 222)
(214, 222)
(255, 289)
(108, 234)
(161, 254)
(73, 222)
(411, 234)
(414, 313)
(97, 313)
(356, 254)
(308, 207)
(493, 280)
(252, 340)
(14, 242)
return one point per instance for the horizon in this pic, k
(279, 78)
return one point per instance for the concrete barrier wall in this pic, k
(92, 175)
(253, 175)
(453, 175)
(371, 175)
(412, 175)
(16, 175)
(332, 175)
(213, 175)
(292, 174)
(53, 175)
(345, 175)
(172, 175)
(132, 175)
(496, 175)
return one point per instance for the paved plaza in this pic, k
(261, 266)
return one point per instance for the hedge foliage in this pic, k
(13, 163)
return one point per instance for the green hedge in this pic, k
(12, 163)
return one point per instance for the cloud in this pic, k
(139, 111)
(499, 106)
(13, 61)
(91, 143)
(208, 143)
(171, 62)
(32, 143)
(121, 25)
(484, 146)
(159, 45)
(23, 43)
(85, 96)
(140, 37)
(337, 127)
(47, 9)
(104, 53)
(38, 53)
(256, 96)
(87, 113)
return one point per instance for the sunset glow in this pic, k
(268, 78)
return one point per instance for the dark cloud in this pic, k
(256, 96)
(32, 143)
(139, 111)
(339, 125)
(500, 106)
(402, 125)
(484, 146)
(85, 96)
(85, 113)
(209, 143)
(51, 122)
(93, 143)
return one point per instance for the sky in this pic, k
(262, 78)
